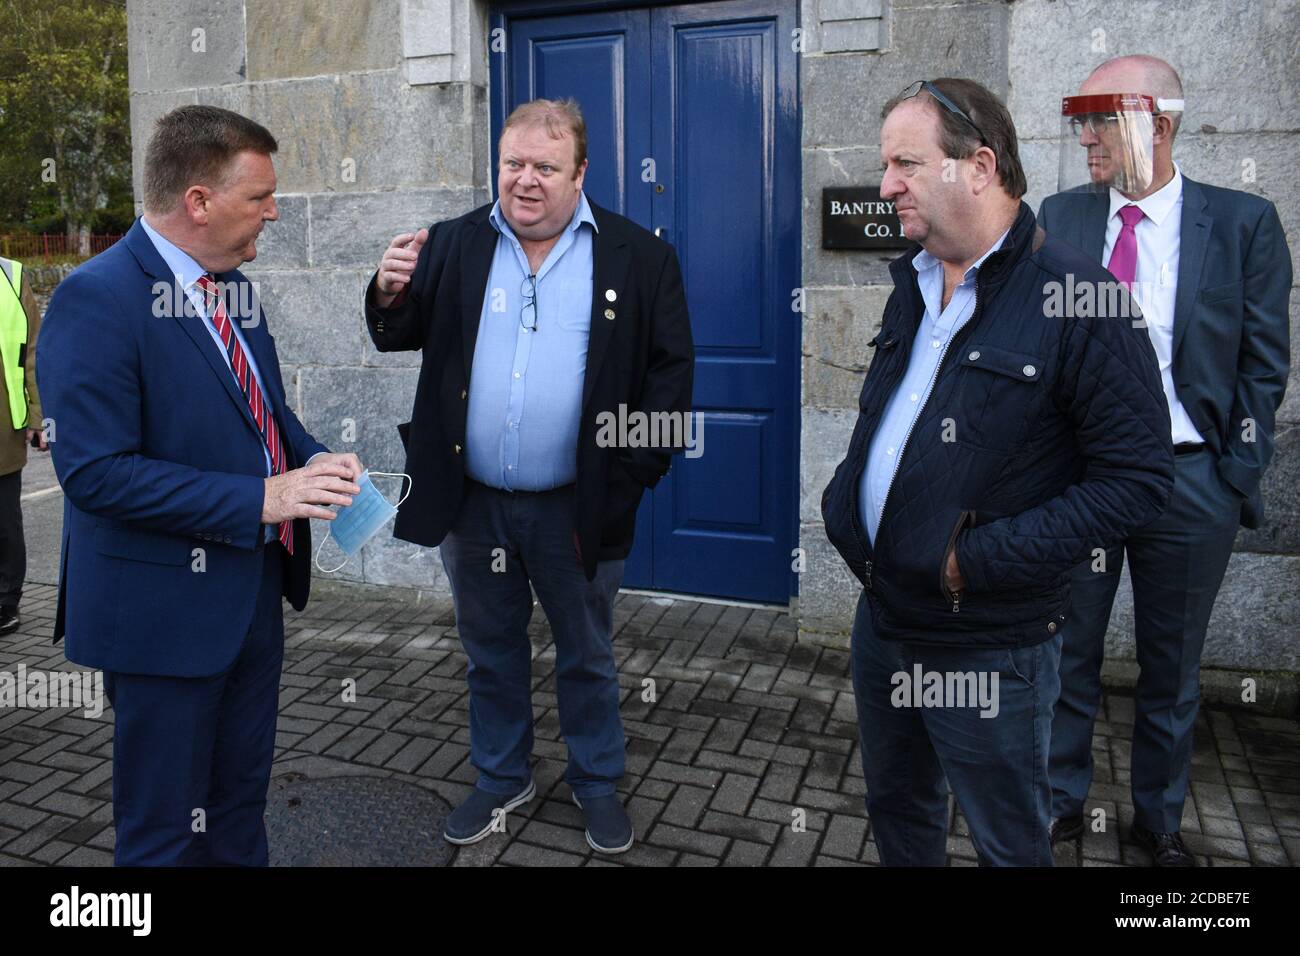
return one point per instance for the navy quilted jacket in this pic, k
(1044, 437)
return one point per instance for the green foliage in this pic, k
(65, 141)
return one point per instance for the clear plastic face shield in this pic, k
(1106, 141)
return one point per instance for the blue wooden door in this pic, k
(692, 120)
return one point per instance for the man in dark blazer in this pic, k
(188, 491)
(540, 317)
(1212, 276)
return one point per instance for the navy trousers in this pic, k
(1177, 564)
(502, 547)
(192, 756)
(914, 750)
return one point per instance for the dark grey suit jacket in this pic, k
(1231, 322)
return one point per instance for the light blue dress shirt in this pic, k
(525, 396)
(187, 273)
(911, 394)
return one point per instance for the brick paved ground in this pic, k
(749, 726)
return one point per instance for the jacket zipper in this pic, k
(954, 597)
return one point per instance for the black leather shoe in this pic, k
(1064, 829)
(1166, 849)
(8, 618)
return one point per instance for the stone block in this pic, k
(366, 404)
(843, 36)
(358, 132)
(823, 442)
(181, 44)
(828, 591)
(838, 324)
(423, 70)
(1281, 530)
(849, 9)
(426, 28)
(353, 229)
(291, 38)
(283, 244)
(315, 316)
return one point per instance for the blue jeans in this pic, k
(502, 547)
(912, 740)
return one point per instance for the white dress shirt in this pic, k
(1156, 282)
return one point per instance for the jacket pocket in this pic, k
(1218, 293)
(996, 393)
(154, 547)
(622, 499)
(953, 598)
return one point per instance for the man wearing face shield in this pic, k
(1211, 272)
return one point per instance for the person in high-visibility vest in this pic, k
(20, 424)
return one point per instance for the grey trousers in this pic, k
(1176, 564)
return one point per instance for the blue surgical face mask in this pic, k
(356, 524)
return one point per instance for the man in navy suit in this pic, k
(1211, 271)
(189, 482)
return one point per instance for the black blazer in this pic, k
(643, 358)
(1231, 318)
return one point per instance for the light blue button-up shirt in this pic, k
(525, 396)
(911, 394)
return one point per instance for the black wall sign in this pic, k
(855, 217)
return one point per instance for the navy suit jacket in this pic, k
(1231, 318)
(162, 470)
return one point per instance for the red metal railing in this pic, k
(49, 246)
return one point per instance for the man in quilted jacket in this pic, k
(1011, 421)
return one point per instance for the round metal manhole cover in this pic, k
(355, 821)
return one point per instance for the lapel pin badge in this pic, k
(609, 313)
(610, 295)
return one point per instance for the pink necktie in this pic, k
(1124, 257)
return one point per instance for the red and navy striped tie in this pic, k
(248, 384)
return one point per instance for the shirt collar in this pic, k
(924, 260)
(580, 215)
(180, 262)
(1156, 206)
